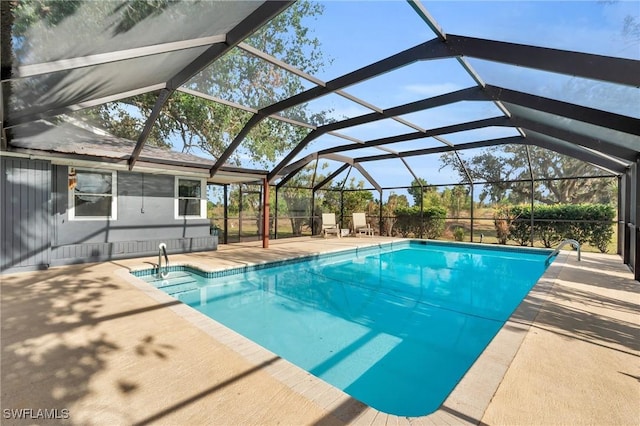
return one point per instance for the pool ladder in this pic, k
(573, 243)
(162, 250)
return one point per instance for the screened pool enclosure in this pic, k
(438, 120)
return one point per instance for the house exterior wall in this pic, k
(25, 188)
(37, 230)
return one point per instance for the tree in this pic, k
(353, 197)
(393, 203)
(430, 195)
(484, 167)
(237, 77)
(297, 195)
(502, 165)
(242, 78)
(456, 199)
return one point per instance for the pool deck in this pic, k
(111, 350)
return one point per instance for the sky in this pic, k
(356, 33)
(353, 34)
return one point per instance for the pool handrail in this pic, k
(162, 249)
(563, 243)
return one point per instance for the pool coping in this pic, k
(466, 403)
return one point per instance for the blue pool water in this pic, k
(395, 327)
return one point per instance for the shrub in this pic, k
(404, 219)
(601, 233)
(433, 219)
(458, 233)
(520, 229)
(550, 224)
(502, 219)
(430, 224)
(582, 222)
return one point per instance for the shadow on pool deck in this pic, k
(579, 363)
(83, 339)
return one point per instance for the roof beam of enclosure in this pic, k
(471, 93)
(415, 177)
(331, 176)
(596, 144)
(255, 20)
(242, 107)
(428, 19)
(442, 149)
(295, 168)
(300, 163)
(594, 116)
(290, 176)
(367, 176)
(435, 27)
(529, 162)
(495, 121)
(32, 70)
(595, 67)
(432, 49)
(319, 82)
(350, 162)
(464, 167)
(338, 157)
(33, 116)
(575, 151)
(544, 58)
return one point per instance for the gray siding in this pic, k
(37, 232)
(26, 219)
(145, 219)
(95, 252)
(145, 211)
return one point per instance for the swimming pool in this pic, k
(395, 326)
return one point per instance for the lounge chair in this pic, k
(329, 225)
(360, 225)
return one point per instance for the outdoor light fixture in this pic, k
(73, 178)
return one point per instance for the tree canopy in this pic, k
(505, 168)
(192, 123)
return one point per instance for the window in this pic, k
(92, 194)
(189, 201)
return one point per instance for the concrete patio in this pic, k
(111, 350)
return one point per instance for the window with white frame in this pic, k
(189, 198)
(92, 194)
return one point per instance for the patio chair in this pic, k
(329, 225)
(360, 225)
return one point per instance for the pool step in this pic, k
(174, 278)
(174, 289)
(178, 283)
